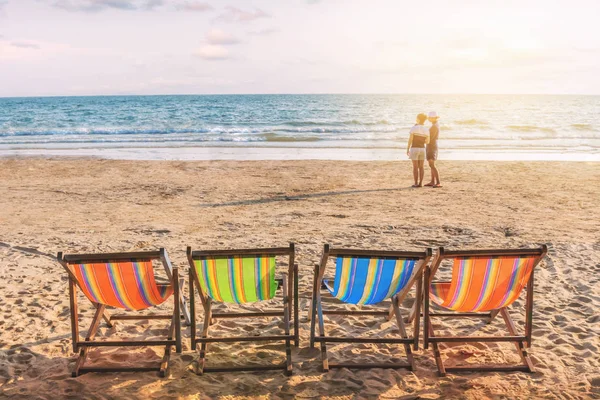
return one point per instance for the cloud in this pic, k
(34, 51)
(314, 1)
(218, 37)
(194, 6)
(234, 14)
(129, 5)
(213, 52)
(101, 5)
(264, 32)
(25, 45)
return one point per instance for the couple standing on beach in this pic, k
(421, 136)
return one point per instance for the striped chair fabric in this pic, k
(482, 283)
(365, 280)
(240, 279)
(121, 284)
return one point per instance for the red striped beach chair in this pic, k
(124, 281)
(484, 283)
(242, 277)
(366, 278)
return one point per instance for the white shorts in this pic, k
(417, 153)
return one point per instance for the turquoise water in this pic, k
(469, 123)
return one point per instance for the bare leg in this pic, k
(433, 172)
(416, 171)
(421, 171)
(435, 175)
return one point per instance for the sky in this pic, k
(97, 47)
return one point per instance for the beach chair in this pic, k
(365, 278)
(242, 277)
(123, 281)
(483, 284)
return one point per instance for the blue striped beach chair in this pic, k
(367, 278)
(242, 277)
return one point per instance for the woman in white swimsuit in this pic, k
(419, 137)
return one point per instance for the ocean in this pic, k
(535, 127)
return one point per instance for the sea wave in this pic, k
(583, 127)
(338, 130)
(205, 130)
(357, 122)
(273, 137)
(336, 123)
(99, 131)
(309, 123)
(471, 121)
(530, 128)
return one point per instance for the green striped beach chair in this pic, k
(242, 277)
(366, 278)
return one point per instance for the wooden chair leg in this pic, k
(412, 313)
(90, 336)
(74, 314)
(192, 311)
(95, 322)
(529, 310)
(391, 312)
(107, 320)
(416, 311)
(177, 310)
(519, 344)
(296, 309)
(106, 316)
(204, 346)
(321, 321)
(402, 329)
(164, 364)
(286, 326)
(436, 353)
(493, 314)
(80, 362)
(313, 307)
(183, 304)
(426, 317)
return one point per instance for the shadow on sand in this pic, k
(299, 197)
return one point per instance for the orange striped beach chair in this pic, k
(243, 277)
(368, 278)
(483, 284)
(123, 281)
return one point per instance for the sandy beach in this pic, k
(94, 205)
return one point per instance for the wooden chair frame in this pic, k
(521, 341)
(289, 284)
(317, 312)
(83, 346)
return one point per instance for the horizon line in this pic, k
(299, 94)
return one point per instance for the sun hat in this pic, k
(433, 114)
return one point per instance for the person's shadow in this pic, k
(297, 197)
